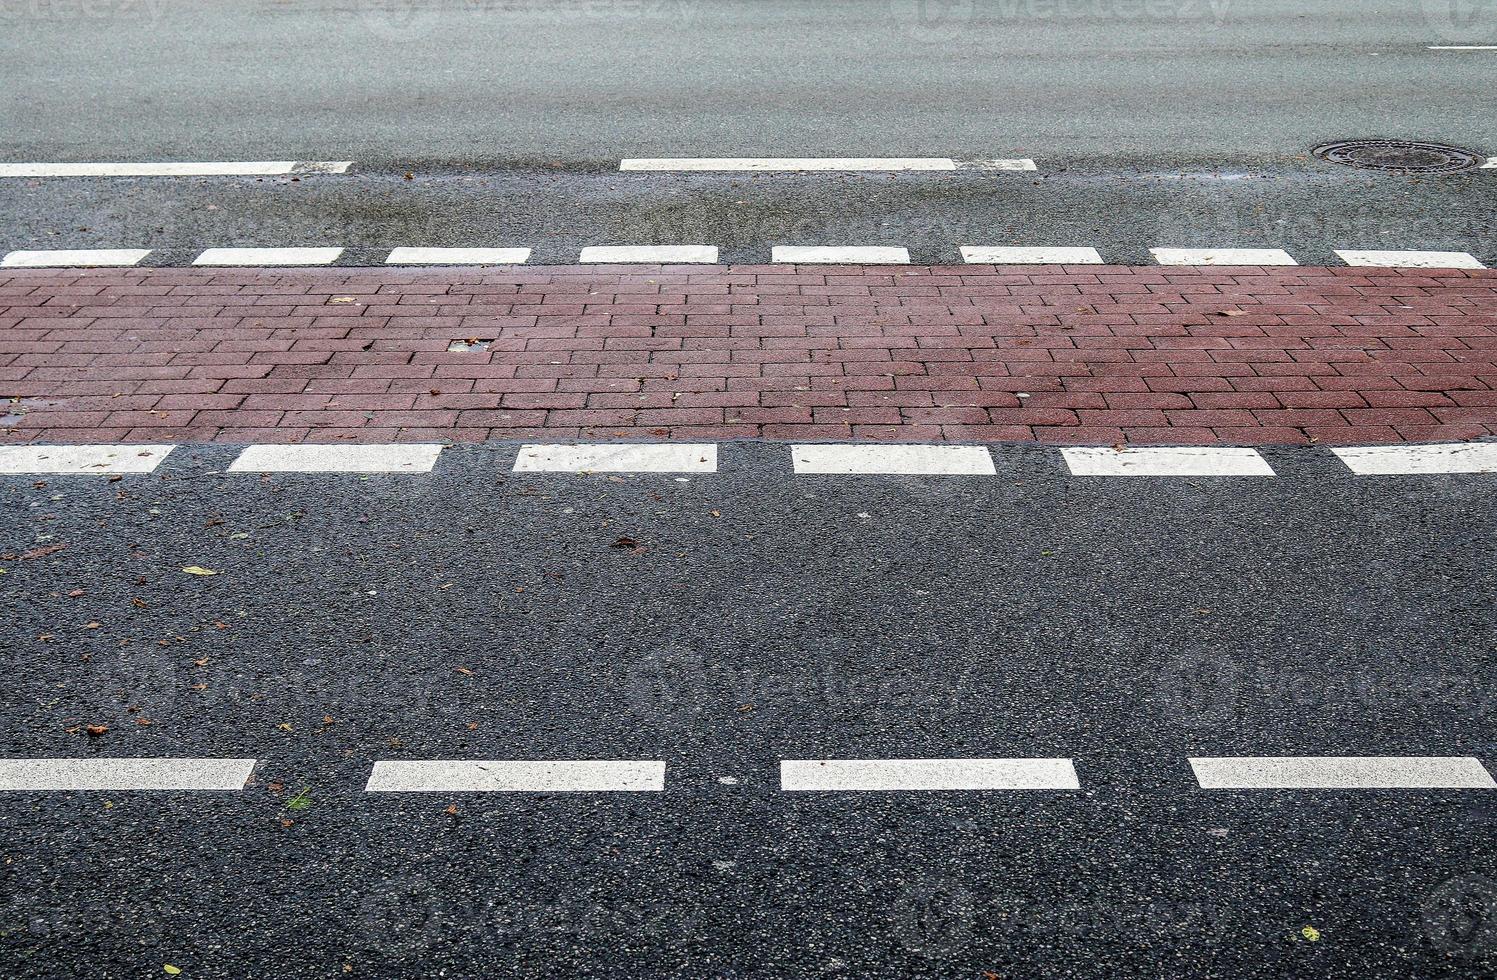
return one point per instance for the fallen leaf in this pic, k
(43, 551)
(1231, 313)
(144, 721)
(715, 513)
(625, 541)
(342, 299)
(464, 671)
(75, 593)
(451, 811)
(170, 970)
(96, 730)
(138, 603)
(1311, 933)
(472, 726)
(284, 726)
(198, 570)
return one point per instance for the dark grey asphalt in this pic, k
(1127, 623)
(1308, 208)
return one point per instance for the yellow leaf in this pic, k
(1311, 933)
(170, 970)
(198, 570)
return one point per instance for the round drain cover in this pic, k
(1399, 156)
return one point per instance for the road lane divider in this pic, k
(62, 775)
(1222, 256)
(1473, 457)
(267, 256)
(610, 458)
(1020, 255)
(74, 257)
(254, 168)
(508, 776)
(1407, 259)
(892, 460)
(840, 255)
(458, 256)
(387, 458)
(894, 775)
(105, 460)
(1342, 772)
(655, 254)
(1165, 461)
(818, 164)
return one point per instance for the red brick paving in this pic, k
(1061, 354)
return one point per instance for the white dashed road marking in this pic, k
(605, 458)
(502, 776)
(63, 257)
(458, 256)
(268, 256)
(841, 255)
(1005, 255)
(1463, 47)
(1409, 260)
(943, 460)
(926, 774)
(256, 168)
(402, 458)
(1342, 772)
(81, 459)
(1476, 457)
(664, 254)
(1190, 461)
(54, 775)
(1222, 256)
(801, 164)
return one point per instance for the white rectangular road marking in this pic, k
(1000, 255)
(1475, 457)
(943, 460)
(499, 776)
(926, 774)
(62, 257)
(685, 457)
(254, 168)
(402, 458)
(664, 254)
(1185, 461)
(843, 255)
(458, 256)
(81, 459)
(62, 775)
(268, 256)
(1409, 260)
(1342, 772)
(1463, 47)
(1222, 256)
(803, 164)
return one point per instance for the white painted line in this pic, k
(1410, 260)
(1342, 772)
(802, 164)
(392, 458)
(495, 776)
(941, 460)
(1222, 256)
(842, 255)
(258, 168)
(606, 458)
(1192, 461)
(926, 774)
(1475, 457)
(1462, 47)
(999, 255)
(1491, 164)
(48, 775)
(81, 459)
(458, 256)
(62, 257)
(268, 256)
(663, 254)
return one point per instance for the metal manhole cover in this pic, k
(1399, 156)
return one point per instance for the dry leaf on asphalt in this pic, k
(198, 570)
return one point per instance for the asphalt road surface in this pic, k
(751, 616)
(1173, 123)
